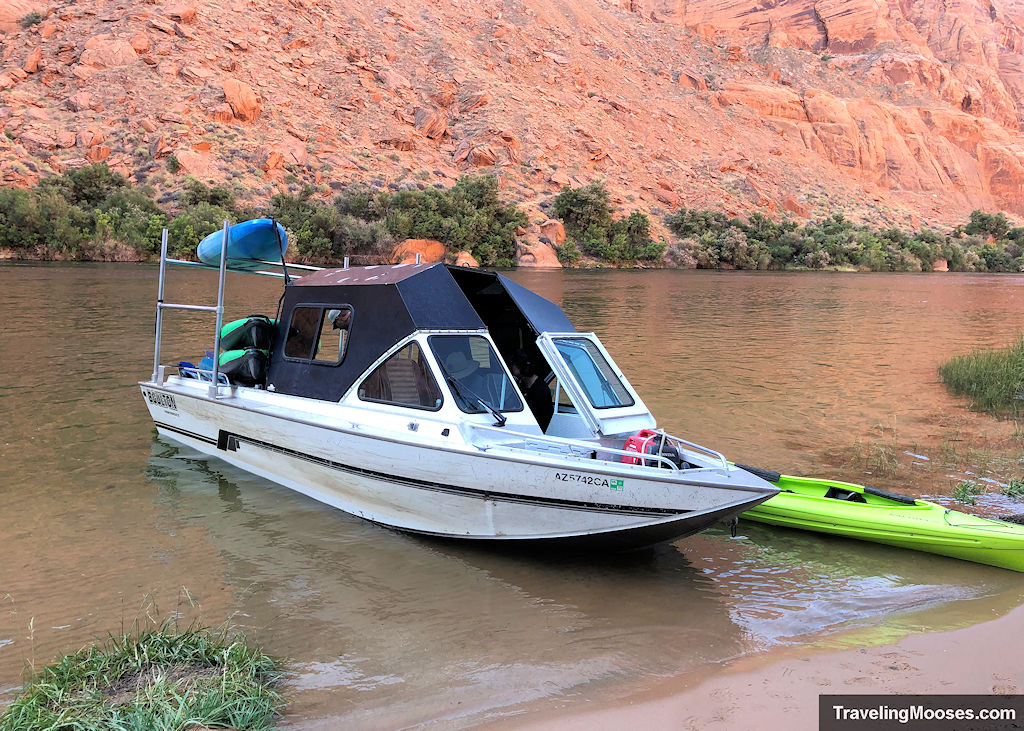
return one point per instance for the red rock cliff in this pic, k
(901, 112)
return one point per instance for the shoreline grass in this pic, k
(166, 679)
(992, 379)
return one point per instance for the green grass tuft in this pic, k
(162, 679)
(966, 492)
(1015, 490)
(992, 379)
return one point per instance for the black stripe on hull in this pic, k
(227, 441)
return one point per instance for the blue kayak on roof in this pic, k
(249, 243)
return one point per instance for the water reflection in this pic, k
(444, 623)
(103, 525)
(394, 629)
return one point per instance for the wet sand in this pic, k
(780, 688)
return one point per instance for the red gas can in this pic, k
(639, 442)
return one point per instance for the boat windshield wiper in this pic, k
(464, 392)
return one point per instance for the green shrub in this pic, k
(189, 227)
(131, 216)
(42, 222)
(692, 222)
(584, 209)
(29, 19)
(359, 202)
(309, 223)
(198, 192)
(587, 216)
(80, 212)
(469, 216)
(987, 224)
(88, 186)
(568, 253)
(836, 241)
(19, 219)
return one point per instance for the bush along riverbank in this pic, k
(93, 214)
(710, 240)
(992, 379)
(162, 679)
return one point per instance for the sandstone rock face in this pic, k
(79, 101)
(180, 12)
(222, 113)
(773, 101)
(473, 99)
(428, 250)
(195, 163)
(554, 231)
(431, 123)
(465, 259)
(32, 62)
(12, 11)
(538, 255)
(140, 42)
(105, 51)
(853, 26)
(879, 108)
(693, 80)
(795, 207)
(242, 100)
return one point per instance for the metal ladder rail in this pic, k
(218, 309)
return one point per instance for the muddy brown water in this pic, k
(103, 526)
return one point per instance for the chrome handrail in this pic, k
(201, 372)
(590, 446)
(573, 444)
(700, 447)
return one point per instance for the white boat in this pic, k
(407, 414)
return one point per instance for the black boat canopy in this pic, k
(389, 303)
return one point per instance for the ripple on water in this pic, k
(103, 525)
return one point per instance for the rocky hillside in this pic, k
(903, 112)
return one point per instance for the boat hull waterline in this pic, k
(921, 526)
(451, 490)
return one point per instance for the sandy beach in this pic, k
(780, 688)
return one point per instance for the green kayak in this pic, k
(856, 511)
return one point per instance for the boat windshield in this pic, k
(475, 374)
(593, 373)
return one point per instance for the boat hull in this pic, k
(922, 526)
(431, 490)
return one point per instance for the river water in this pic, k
(105, 527)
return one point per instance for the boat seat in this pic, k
(404, 381)
(850, 496)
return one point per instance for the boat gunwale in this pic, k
(621, 469)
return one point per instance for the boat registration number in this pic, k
(598, 480)
(158, 398)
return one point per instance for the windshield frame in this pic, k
(611, 383)
(494, 358)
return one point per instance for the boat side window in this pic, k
(318, 333)
(593, 373)
(404, 379)
(333, 335)
(474, 372)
